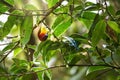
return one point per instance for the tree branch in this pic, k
(9, 52)
(22, 15)
(108, 10)
(100, 55)
(51, 10)
(59, 66)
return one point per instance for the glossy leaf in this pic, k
(104, 74)
(88, 15)
(57, 21)
(26, 29)
(52, 2)
(62, 27)
(11, 2)
(3, 8)
(8, 47)
(17, 51)
(98, 32)
(96, 68)
(30, 7)
(9, 24)
(114, 26)
(95, 21)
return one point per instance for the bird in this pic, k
(43, 33)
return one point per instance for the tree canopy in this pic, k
(59, 40)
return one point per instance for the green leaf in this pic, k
(96, 19)
(40, 47)
(88, 15)
(28, 77)
(48, 74)
(8, 47)
(26, 29)
(58, 20)
(30, 7)
(52, 2)
(3, 8)
(92, 7)
(40, 74)
(102, 74)
(96, 68)
(114, 26)
(111, 10)
(62, 27)
(9, 24)
(11, 2)
(98, 32)
(86, 22)
(17, 51)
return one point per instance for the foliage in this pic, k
(83, 40)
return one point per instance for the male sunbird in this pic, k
(43, 33)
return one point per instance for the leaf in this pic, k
(96, 68)
(11, 2)
(92, 7)
(103, 74)
(96, 19)
(88, 15)
(62, 27)
(98, 32)
(40, 72)
(3, 8)
(8, 47)
(30, 7)
(114, 26)
(40, 47)
(19, 66)
(28, 77)
(57, 21)
(9, 24)
(17, 51)
(86, 22)
(48, 74)
(26, 29)
(52, 2)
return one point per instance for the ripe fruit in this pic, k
(43, 33)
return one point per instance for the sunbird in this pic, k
(43, 33)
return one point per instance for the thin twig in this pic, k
(11, 37)
(100, 55)
(7, 43)
(22, 15)
(70, 65)
(108, 10)
(50, 30)
(89, 58)
(102, 73)
(113, 59)
(51, 10)
(9, 52)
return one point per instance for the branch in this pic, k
(113, 59)
(7, 4)
(9, 52)
(108, 10)
(51, 10)
(22, 15)
(50, 30)
(60, 66)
